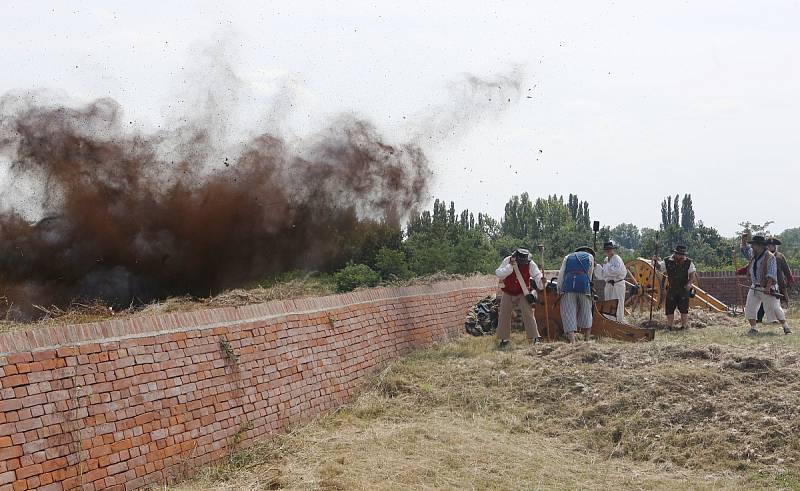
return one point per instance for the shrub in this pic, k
(391, 263)
(353, 276)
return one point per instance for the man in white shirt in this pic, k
(512, 296)
(613, 272)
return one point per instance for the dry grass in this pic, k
(285, 288)
(79, 313)
(705, 409)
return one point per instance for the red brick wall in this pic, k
(724, 285)
(126, 403)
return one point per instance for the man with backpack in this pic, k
(516, 272)
(575, 285)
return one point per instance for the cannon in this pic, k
(548, 318)
(642, 289)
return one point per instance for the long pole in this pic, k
(735, 268)
(545, 293)
(653, 282)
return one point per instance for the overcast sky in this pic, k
(630, 100)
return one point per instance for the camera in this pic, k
(522, 256)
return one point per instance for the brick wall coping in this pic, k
(717, 274)
(37, 339)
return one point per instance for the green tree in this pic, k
(627, 235)
(473, 254)
(687, 213)
(750, 228)
(391, 263)
(676, 215)
(790, 246)
(428, 254)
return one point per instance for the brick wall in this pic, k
(724, 285)
(126, 403)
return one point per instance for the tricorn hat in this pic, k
(585, 249)
(758, 240)
(773, 241)
(610, 245)
(679, 249)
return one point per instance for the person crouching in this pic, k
(512, 296)
(575, 285)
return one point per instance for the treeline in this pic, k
(446, 239)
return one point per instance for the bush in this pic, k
(391, 264)
(353, 276)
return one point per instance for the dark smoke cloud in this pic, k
(123, 223)
(131, 217)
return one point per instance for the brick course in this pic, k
(128, 403)
(724, 285)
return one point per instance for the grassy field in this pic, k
(708, 408)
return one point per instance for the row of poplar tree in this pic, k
(459, 241)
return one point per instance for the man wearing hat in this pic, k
(763, 272)
(512, 297)
(785, 277)
(575, 285)
(613, 272)
(682, 274)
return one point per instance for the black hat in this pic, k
(609, 245)
(773, 241)
(680, 249)
(585, 249)
(523, 256)
(758, 240)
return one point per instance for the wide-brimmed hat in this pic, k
(773, 241)
(610, 245)
(585, 249)
(679, 249)
(758, 240)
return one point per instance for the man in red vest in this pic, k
(512, 296)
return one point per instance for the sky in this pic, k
(621, 102)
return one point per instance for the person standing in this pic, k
(785, 276)
(575, 287)
(763, 272)
(511, 295)
(682, 274)
(613, 272)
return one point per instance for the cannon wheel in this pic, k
(641, 270)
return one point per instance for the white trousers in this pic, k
(772, 306)
(616, 292)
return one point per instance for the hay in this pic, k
(706, 408)
(80, 313)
